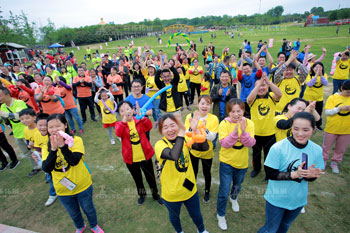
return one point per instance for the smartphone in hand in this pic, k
(304, 159)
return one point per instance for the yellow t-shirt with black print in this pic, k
(170, 104)
(236, 156)
(40, 140)
(137, 151)
(150, 84)
(290, 89)
(195, 77)
(107, 116)
(182, 86)
(212, 124)
(205, 84)
(78, 174)
(342, 70)
(338, 123)
(314, 93)
(281, 133)
(187, 67)
(262, 112)
(29, 133)
(174, 174)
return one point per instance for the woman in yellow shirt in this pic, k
(70, 174)
(182, 86)
(176, 173)
(315, 83)
(211, 123)
(196, 73)
(236, 135)
(337, 128)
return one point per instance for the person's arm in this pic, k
(230, 140)
(96, 99)
(176, 77)
(157, 80)
(75, 84)
(98, 81)
(279, 73)
(201, 146)
(303, 72)
(249, 60)
(252, 96)
(269, 57)
(276, 91)
(312, 81)
(174, 153)
(72, 158)
(275, 174)
(89, 84)
(320, 59)
(65, 85)
(214, 94)
(49, 163)
(30, 91)
(284, 124)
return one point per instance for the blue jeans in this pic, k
(336, 84)
(156, 111)
(70, 113)
(228, 175)
(52, 191)
(81, 200)
(193, 209)
(278, 220)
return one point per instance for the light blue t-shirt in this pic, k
(285, 157)
(142, 101)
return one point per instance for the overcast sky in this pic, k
(76, 13)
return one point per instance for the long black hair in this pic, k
(292, 103)
(312, 72)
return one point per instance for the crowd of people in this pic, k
(239, 102)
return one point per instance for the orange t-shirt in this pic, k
(23, 95)
(114, 80)
(49, 106)
(68, 98)
(82, 90)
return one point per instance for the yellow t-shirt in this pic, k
(281, 133)
(342, 70)
(77, 174)
(174, 174)
(150, 83)
(314, 93)
(338, 123)
(170, 104)
(40, 140)
(107, 116)
(205, 84)
(213, 126)
(137, 151)
(29, 133)
(290, 89)
(236, 157)
(182, 86)
(262, 112)
(187, 67)
(195, 77)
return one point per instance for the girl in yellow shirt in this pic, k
(70, 175)
(176, 173)
(236, 135)
(212, 126)
(205, 84)
(315, 83)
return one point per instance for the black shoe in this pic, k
(141, 200)
(34, 172)
(13, 165)
(94, 120)
(3, 167)
(158, 199)
(319, 128)
(254, 173)
(206, 197)
(84, 122)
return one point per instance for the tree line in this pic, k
(18, 29)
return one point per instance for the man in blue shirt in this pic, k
(137, 96)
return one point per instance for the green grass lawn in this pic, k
(22, 199)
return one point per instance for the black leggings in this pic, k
(118, 98)
(206, 167)
(184, 95)
(5, 145)
(262, 143)
(147, 167)
(194, 87)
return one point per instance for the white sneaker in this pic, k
(302, 211)
(334, 167)
(112, 141)
(222, 222)
(51, 200)
(235, 206)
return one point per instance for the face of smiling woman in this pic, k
(170, 129)
(302, 130)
